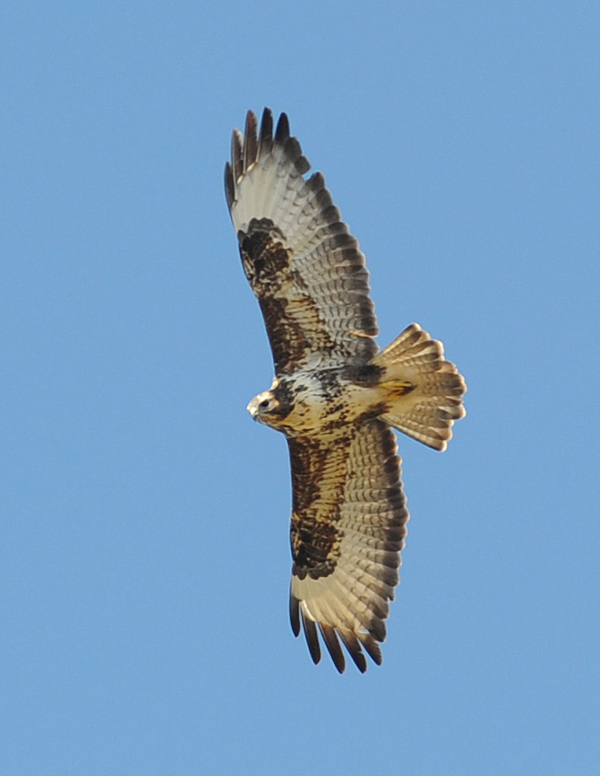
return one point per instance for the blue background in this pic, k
(145, 557)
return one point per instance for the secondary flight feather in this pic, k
(334, 395)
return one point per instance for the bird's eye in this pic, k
(264, 404)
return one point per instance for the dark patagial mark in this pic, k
(307, 459)
(314, 534)
(294, 324)
(288, 339)
(266, 263)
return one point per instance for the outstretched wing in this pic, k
(304, 266)
(348, 527)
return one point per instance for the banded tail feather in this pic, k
(424, 390)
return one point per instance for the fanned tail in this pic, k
(424, 391)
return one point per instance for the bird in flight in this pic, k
(335, 396)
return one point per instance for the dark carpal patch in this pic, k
(315, 547)
(264, 258)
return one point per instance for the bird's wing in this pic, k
(304, 266)
(348, 527)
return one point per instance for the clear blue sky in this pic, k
(145, 557)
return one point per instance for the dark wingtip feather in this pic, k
(282, 132)
(250, 140)
(295, 614)
(302, 164)
(265, 141)
(377, 629)
(353, 647)
(372, 648)
(229, 185)
(237, 154)
(312, 638)
(316, 182)
(323, 197)
(294, 153)
(333, 645)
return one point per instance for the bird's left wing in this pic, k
(348, 527)
(304, 266)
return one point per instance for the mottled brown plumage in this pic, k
(333, 396)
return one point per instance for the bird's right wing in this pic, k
(348, 528)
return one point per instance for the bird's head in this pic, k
(265, 408)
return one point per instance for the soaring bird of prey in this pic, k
(335, 396)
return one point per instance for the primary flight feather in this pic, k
(334, 395)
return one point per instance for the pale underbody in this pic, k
(323, 401)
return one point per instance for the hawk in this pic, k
(334, 396)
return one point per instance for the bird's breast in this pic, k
(323, 402)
